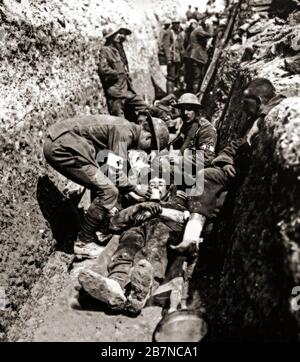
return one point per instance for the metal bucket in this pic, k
(183, 325)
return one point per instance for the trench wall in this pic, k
(254, 252)
(48, 71)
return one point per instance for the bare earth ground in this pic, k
(50, 316)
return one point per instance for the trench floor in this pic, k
(52, 314)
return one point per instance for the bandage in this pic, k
(193, 229)
(175, 215)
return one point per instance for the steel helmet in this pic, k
(160, 131)
(189, 99)
(109, 32)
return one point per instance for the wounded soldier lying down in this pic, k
(140, 261)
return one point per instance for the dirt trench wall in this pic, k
(255, 250)
(48, 70)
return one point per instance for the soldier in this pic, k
(231, 164)
(189, 13)
(197, 15)
(113, 69)
(139, 264)
(161, 43)
(188, 74)
(196, 58)
(192, 25)
(194, 146)
(174, 54)
(72, 148)
(165, 109)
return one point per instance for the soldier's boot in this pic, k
(170, 87)
(89, 250)
(141, 281)
(86, 247)
(103, 289)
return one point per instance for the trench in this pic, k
(245, 292)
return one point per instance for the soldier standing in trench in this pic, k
(196, 58)
(189, 13)
(161, 41)
(113, 69)
(72, 148)
(173, 46)
(231, 165)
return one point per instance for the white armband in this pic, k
(115, 161)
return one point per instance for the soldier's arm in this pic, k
(127, 217)
(174, 215)
(123, 220)
(206, 142)
(200, 32)
(227, 155)
(156, 112)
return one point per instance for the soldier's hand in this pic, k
(142, 216)
(153, 207)
(143, 190)
(229, 170)
(187, 247)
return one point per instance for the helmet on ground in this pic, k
(189, 99)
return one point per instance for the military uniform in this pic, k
(147, 241)
(161, 47)
(197, 15)
(189, 14)
(196, 58)
(113, 69)
(71, 147)
(174, 48)
(197, 135)
(216, 181)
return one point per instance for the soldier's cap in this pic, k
(188, 99)
(160, 131)
(176, 21)
(109, 32)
